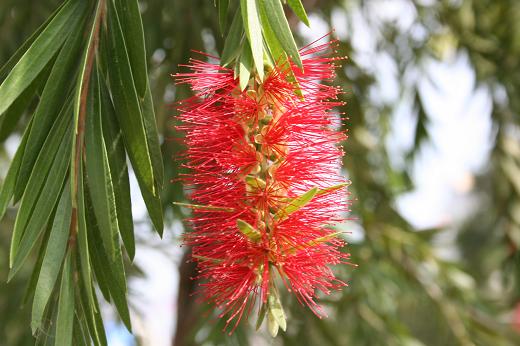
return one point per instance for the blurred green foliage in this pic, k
(403, 292)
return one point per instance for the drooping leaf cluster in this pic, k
(85, 70)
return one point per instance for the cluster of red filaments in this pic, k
(266, 183)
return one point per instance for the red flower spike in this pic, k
(265, 181)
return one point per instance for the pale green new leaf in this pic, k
(251, 19)
(249, 231)
(295, 204)
(245, 66)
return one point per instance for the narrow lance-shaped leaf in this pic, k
(98, 171)
(251, 20)
(249, 231)
(153, 201)
(280, 27)
(246, 65)
(41, 51)
(232, 45)
(90, 310)
(118, 169)
(44, 206)
(35, 206)
(13, 114)
(65, 318)
(278, 54)
(299, 10)
(51, 103)
(275, 313)
(127, 104)
(295, 204)
(10, 179)
(110, 274)
(130, 18)
(23, 48)
(54, 255)
(80, 95)
(222, 6)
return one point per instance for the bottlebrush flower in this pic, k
(266, 184)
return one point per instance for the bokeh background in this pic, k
(433, 106)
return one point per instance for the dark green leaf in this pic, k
(281, 29)
(52, 261)
(31, 227)
(51, 102)
(12, 174)
(127, 104)
(233, 42)
(98, 172)
(130, 19)
(251, 20)
(110, 274)
(153, 202)
(299, 10)
(37, 181)
(65, 318)
(23, 48)
(41, 51)
(119, 170)
(222, 15)
(13, 114)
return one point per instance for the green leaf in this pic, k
(130, 18)
(275, 313)
(65, 318)
(153, 202)
(110, 274)
(81, 91)
(222, 6)
(281, 29)
(118, 169)
(314, 242)
(249, 231)
(299, 10)
(204, 207)
(98, 171)
(246, 65)
(251, 20)
(127, 104)
(321, 192)
(232, 45)
(41, 51)
(12, 174)
(53, 259)
(255, 182)
(295, 204)
(43, 188)
(13, 114)
(278, 54)
(43, 208)
(89, 299)
(261, 315)
(51, 103)
(23, 48)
